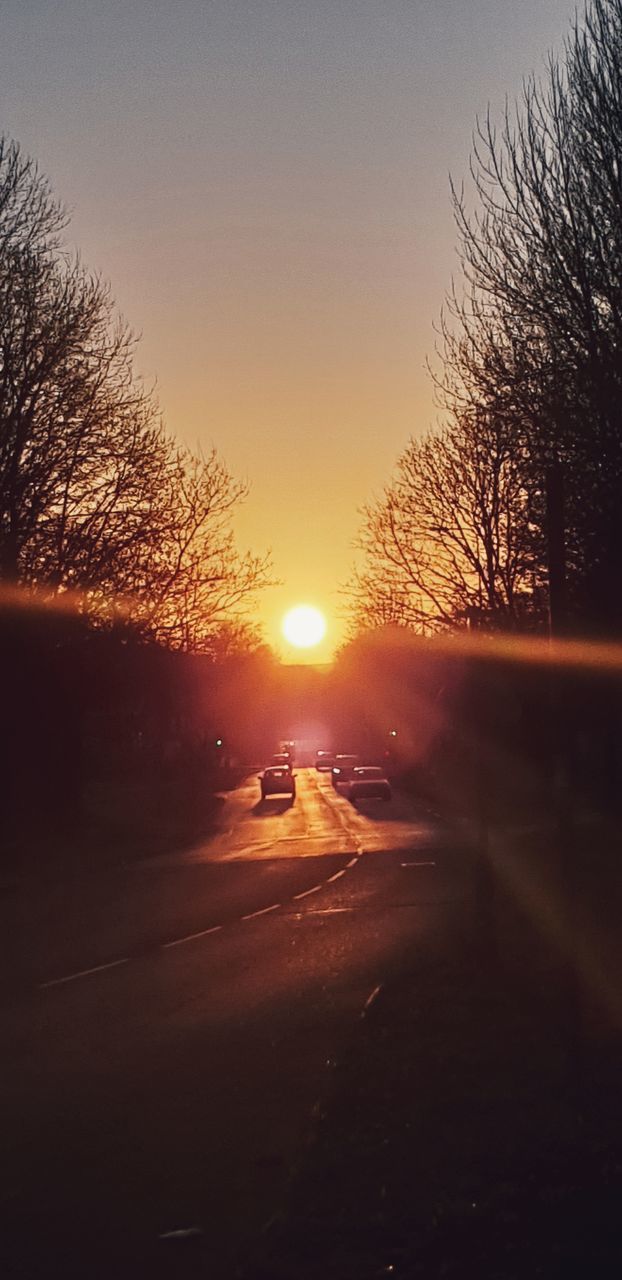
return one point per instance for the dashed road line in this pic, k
(370, 999)
(83, 973)
(316, 888)
(417, 864)
(181, 1233)
(190, 937)
(330, 911)
(204, 933)
(252, 915)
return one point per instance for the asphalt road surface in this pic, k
(171, 1027)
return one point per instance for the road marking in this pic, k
(190, 937)
(83, 973)
(181, 1233)
(370, 999)
(329, 911)
(417, 864)
(306, 893)
(264, 911)
(352, 862)
(336, 876)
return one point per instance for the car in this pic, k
(324, 760)
(282, 759)
(368, 781)
(342, 769)
(277, 780)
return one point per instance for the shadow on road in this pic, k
(268, 808)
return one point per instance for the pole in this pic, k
(484, 884)
(556, 554)
(556, 548)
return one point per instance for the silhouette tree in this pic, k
(451, 533)
(531, 369)
(95, 496)
(536, 334)
(197, 582)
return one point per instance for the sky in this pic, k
(265, 184)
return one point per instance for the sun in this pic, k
(304, 626)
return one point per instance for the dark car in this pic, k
(367, 782)
(324, 760)
(278, 780)
(342, 769)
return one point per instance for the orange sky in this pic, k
(265, 184)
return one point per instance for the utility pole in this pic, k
(556, 564)
(556, 548)
(561, 711)
(484, 879)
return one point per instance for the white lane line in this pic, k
(190, 937)
(316, 888)
(264, 911)
(352, 862)
(370, 999)
(330, 911)
(83, 973)
(181, 1233)
(417, 864)
(336, 876)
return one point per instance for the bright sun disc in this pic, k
(304, 626)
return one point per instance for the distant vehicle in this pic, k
(282, 760)
(368, 781)
(342, 769)
(278, 780)
(324, 760)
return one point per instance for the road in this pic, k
(172, 1027)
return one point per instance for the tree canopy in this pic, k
(96, 496)
(530, 371)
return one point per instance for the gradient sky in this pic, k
(265, 185)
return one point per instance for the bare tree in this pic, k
(451, 533)
(535, 335)
(197, 581)
(95, 496)
(79, 438)
(238, 640)
(30, 217)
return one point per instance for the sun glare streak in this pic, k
(308, 625)
(69, 601)
(528, 650)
